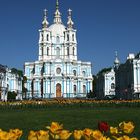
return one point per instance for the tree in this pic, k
(16, 71)
(11, 95)
(90, 94)
(104, 70)
(41, 88)
(94, 84)
(24, 90)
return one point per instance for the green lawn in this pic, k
(72, 118)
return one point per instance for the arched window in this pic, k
(74, 72)
(73, 37)
(67, 37)
(42, 37)
(73, 51)
(74, 89)
(84, 89)
(47, 51)
(84, 73)
(47, 37)
(64, 35)
(57, 51)
(112, 86)
(67, 50)
(42, 51)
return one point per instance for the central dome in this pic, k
(57, 29)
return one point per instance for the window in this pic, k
(42, 51)
(43, 69)
(37, 69)
(57, 51)
(67, 37)
(73, 37)
(47, 51)
(74, 72)
(42, 37)
(84, 73)
(84, 89)
(67, 50)
(57, 39)
(64, 35)
(73, 51)
(112, 86)
(33, 70)
(47, 37)
(74, 89)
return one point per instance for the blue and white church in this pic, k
(57, 72)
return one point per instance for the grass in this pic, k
(71, 117)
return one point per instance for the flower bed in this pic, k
(68, 103)
(56, 132)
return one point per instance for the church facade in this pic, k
(9, 82)
(57, 72)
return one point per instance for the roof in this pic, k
(57, 29)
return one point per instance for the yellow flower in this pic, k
(133, 139)
(55, 127)
(3, 135)
(42, 135)
(11, 136)
(18, 133)
(125, 138)
(55, 136)
(97, 135)
(104, 138)
(77, 134)
(32, 135)
(127, 127)
(64, 134)
(87, 133)
(113, 130)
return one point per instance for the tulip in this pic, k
(77, 134)
(43, 135)
(18, 133)
(64, 134)
(114, 130)
(103, 126)
(3, 135)
(55, 127)
(125, 138)
(55, 136)
(32, 135)
(97, 135)
(127, 127)
(87, 133)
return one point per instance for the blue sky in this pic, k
(103, 26)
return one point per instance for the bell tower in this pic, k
(44, 39)
(70, 38)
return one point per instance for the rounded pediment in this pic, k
(58, 60)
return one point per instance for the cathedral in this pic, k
(57, 72)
